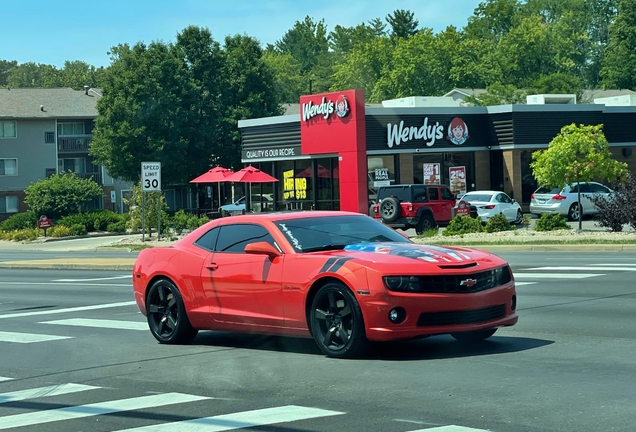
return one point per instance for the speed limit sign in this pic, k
(150, 176)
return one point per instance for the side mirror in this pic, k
(262, 248)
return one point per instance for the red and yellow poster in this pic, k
(457, 177)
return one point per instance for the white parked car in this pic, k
(256, 205)
(490, 203)
(564, 200)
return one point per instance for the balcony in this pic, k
(96, 176)
(73, 144)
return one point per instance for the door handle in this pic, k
(212, 266)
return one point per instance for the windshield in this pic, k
(477, 197)
(335, 232)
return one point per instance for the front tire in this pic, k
(573, 212)
(426, 223)
(474, 336)
(336, 322)
(167, 317)
(519, 218)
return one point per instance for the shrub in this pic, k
(116, 227)
(59, 231)
(551, 222)
(498, 223)
(78, 229)
(463, 225)
(526, 220)
(431, 232)
(93, 221)
(195, 222)
(619, 208)
(21, 235)
(24, 220)
(179, 221)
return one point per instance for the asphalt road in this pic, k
(75, 355)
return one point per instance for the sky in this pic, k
(50, 32)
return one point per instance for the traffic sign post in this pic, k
(150, 182)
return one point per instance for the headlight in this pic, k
(402, 283)
(503, 275)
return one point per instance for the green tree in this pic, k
(343, 39)
(579, 153)
(378, 27)
(33, 75)
(498, 94)
(61, 194)
(146, 208)
(306, 41)
(289, 81)
(76, 74)
(558, 83)
(492, 19)
(403, 23)
(620, 55)
(5, 67)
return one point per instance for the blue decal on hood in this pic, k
(426, 253)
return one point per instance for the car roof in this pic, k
(483, 192)
(275, 216)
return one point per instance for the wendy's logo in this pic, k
(457, 131)
(342, 106)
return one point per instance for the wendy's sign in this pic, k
(428, 132)
(325, 108)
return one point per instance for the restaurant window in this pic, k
(528, 182)
(327, 183)
(262, 194)
(381, 172)
(434, 168)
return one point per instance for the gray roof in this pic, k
(588, 95)
(33, 103)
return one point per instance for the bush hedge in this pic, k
(20, 221)
(499, 223)
(551, 222)
(93, 221)
(463, 225)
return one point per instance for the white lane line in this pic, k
(614, 264)
(67, 310)
(451, 428)
(98, 323)
(40, 392)
(95, 409)
(5, 379)
(29, 337)
(67, 284)
(587, 268)
(554, 275)
(524, 283)
(239, 420)
(94, 279)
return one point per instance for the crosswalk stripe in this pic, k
(28, 337)
(98, 323)
(555, 275)
(239, 420)
(4, 379)
(54, 390)
(525, 283)
(451, 428)
(587, 268)
(66, 310)
(91, 410)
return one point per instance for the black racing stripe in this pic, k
(334, 268)
(328, 264)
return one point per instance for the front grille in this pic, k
(461, 317)
(470, 283)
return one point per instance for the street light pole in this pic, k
(311, 81)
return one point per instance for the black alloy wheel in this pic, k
(336, 322)
(167, 317)
(519, 218)
(390, 209)
(573, 212)
(474, 336)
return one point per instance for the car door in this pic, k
(586, 198)
(243, 288)
(447, 202)
(598, 190)
(506, 206)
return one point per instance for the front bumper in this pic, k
(436, 314)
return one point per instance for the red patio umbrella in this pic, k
(215, 175)
(250, 175)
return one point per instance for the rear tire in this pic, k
(573, 212)
(166, 313)
(474, 336)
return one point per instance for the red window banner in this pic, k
(457, 177)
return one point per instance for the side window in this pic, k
(585, 188)
(433, 194)
(419, 195)
(446, 195)
(234, 238)
(574, 189)
(208, 240)
(597, 188)
(503, 198)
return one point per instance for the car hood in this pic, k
(442, 257)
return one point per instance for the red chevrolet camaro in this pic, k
(341, 278)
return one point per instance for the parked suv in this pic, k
(564, 200)
(415, 206)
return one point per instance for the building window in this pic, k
(76, 165)
(70, 129)
(381, 172)
(9, 204)
(9, 167)
(49, 137)
(7, 129)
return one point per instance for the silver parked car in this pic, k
(564, 200)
